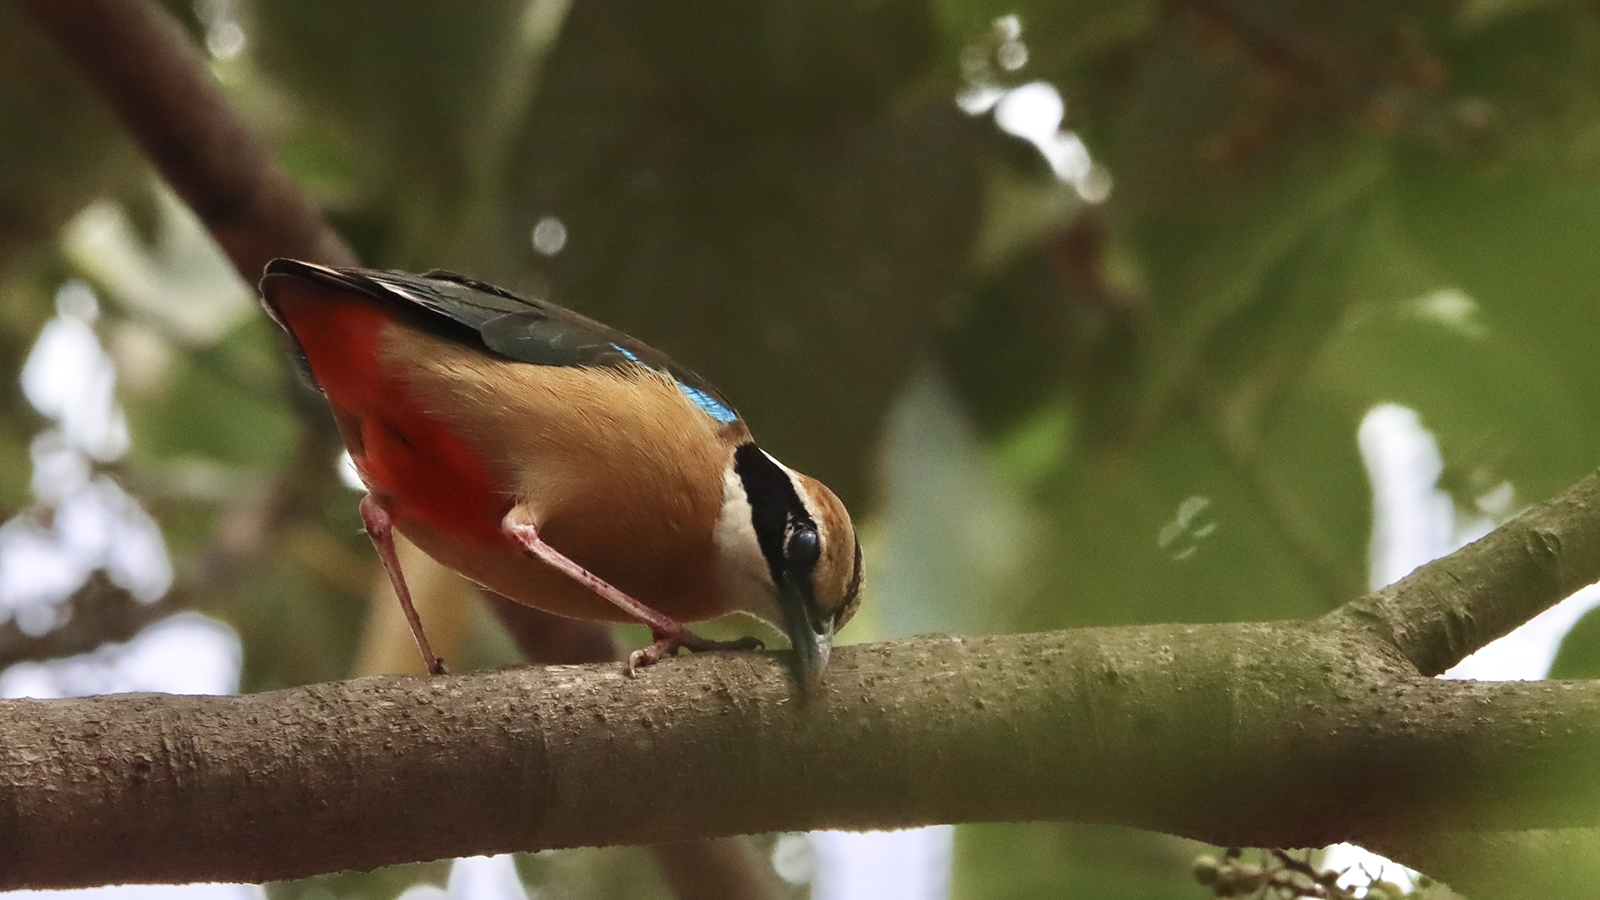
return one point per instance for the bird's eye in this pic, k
(803, 546)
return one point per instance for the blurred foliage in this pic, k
(1580, 651)
(1314, 208)
(1005, 862)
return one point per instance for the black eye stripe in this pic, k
(775, 508)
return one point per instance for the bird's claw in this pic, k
(437, 667)
(666, 645)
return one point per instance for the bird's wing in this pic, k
(537, 332)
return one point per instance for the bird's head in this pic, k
(789, 549)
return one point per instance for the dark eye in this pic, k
(803, 546)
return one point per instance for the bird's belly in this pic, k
(444, 498)
(672, 580)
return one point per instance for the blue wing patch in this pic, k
(708, 404)
(704, 401)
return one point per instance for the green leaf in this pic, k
(1579, 656)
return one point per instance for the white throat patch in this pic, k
(745, 574)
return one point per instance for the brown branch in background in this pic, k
(99, 612)
(553, 640)
(146, 67)
(143, 63)
(1078, 254)
(1348, 92)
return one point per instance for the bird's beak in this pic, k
(810, 635)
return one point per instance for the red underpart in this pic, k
(424, 471)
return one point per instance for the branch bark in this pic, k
(1276, 735)
(708, 869)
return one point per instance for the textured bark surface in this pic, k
(713, 869)
(1275, 734)
(1272, 735)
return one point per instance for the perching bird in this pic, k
(562, 463)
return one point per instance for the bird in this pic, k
(562, 464)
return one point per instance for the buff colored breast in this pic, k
(606, 466)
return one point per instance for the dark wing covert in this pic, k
(537, 332)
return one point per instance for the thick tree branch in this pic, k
(1279, 735)
(1450, 608)
(712, 869)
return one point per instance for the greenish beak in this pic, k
(810, 632)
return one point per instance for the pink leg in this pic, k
(669, 633)
(381, 530)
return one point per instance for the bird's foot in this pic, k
(667, 643)
(436, 666)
